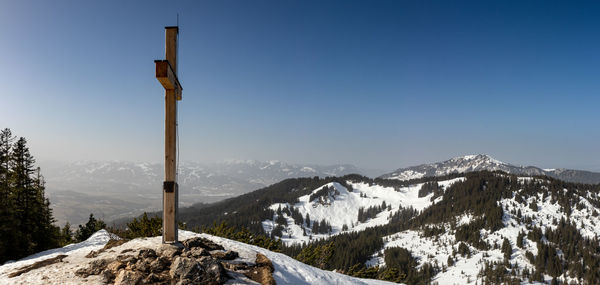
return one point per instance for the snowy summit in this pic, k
(146, 260)
(479, 162)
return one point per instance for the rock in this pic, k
(93, 254)
(185, 268)
(147, 253)
(152, 278)
(159, 264)
(263, 261)
(225, 255)
(94, 268)
(169, 250)
(37, 265)
(114, 243)
(197, 252)
(235, 266)
(261, 275)
(263, 272)
(107, 276)
(201, 242)
(207, 271)
(131, 266)
(127, 259)
(215, 273)
(127, 277)
(115, 266)
(142, 265)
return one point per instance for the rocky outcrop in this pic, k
(194, 261)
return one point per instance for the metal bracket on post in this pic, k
(171, 187)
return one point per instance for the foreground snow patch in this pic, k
(287, 269)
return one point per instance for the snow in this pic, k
(59, 273)
(436, 249)
(307, 169)
(343, 207)
(408, 175)
(287, 269)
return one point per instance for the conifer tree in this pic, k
(7, 209)
(506, 249)
(66, 234)
(85, 231)
(26, 218)
(27, 210)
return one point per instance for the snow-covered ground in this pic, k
(437, 249)
(342, 208)
(58, 273)
(287, 269)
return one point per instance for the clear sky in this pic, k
(379, 84)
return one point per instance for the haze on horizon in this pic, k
(380, 85)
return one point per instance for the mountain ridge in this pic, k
(453, 229)
(118, 189)
(478, 162)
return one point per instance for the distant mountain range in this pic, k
(471, 163)
(115, 189)
(118, 189)
(450, 222)
(217, 179)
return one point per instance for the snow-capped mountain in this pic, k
(117, 189)
(470, 163)
(66, 265)
(473, 226)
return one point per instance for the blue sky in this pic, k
(379, 84)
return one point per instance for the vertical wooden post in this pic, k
(166, 73)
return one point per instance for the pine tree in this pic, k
(520, 238)
(27, 221)
(66, 234)
(506, 249)
(450, 261)
(7, 210)
(144, 227)
(27, 212)
(93, 225)
(46, 235)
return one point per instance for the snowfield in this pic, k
(342, 208)
(287, 269)
(437, 249)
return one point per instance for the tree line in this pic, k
(27, 224)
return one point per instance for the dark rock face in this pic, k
(198, 261)
(225, 255)
(197, 252)
(201, 242)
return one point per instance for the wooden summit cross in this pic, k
(166, 73)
